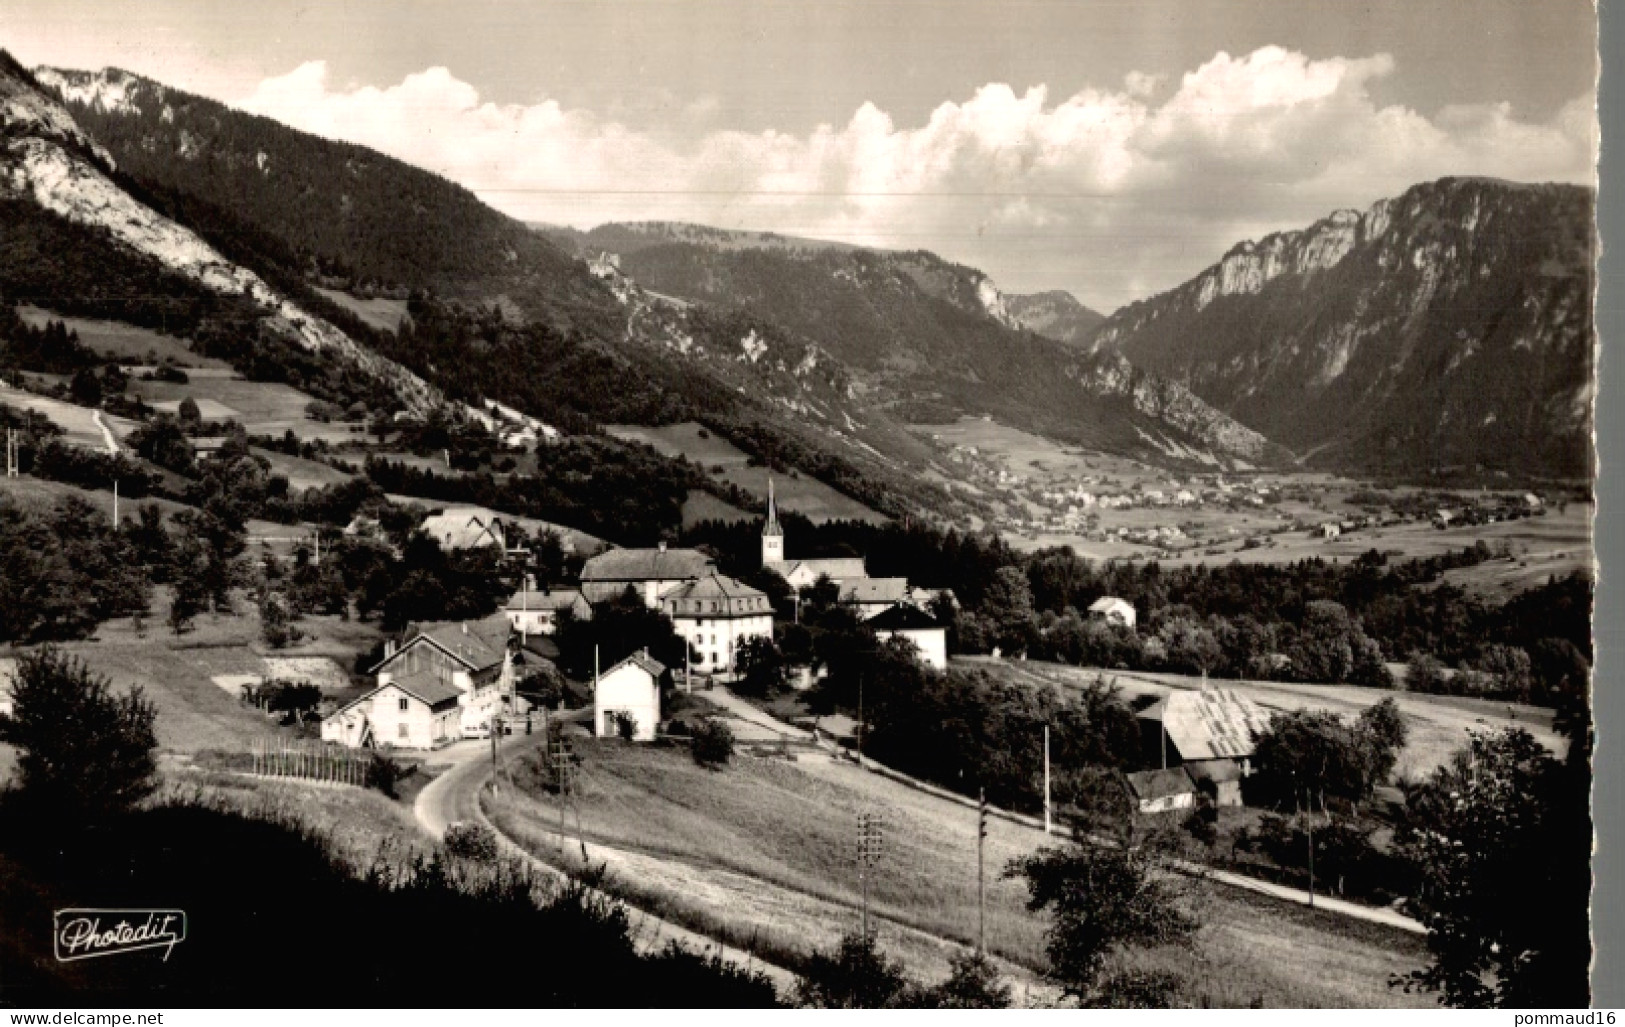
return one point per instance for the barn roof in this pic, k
(1209, 723)
(835, 568)
(903, 617)
(643, 661)
(875, 590)
(1106, 604)
(626, 565)
(1160, 784)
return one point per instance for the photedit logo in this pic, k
(83, 933)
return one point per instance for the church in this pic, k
(801, 573)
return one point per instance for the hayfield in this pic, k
(799, 492)
(763, 851)
(302, 473)
(121, 341)
(77, 422)
(264, 408)
(379, 312)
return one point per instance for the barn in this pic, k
(1208, 731)
(1161, 791)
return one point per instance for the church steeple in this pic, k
(772, 532)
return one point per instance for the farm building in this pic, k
(1115, 611)
(1208, 731)
(715, 615)
(629, 691)
(920, 628)
(1329, 530)
(535, 611)
(466, 528)
(868, 597)
(651, 573)
(473, 658)
(415, 712)
(1161, 791)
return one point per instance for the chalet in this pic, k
(1210, 732)
(1114, 611)
(715, 615)
(650, 573)
(920, 628)
(629, 692)
(466, 528)
(1443, 517)
(1161, 791)
(470, 657)
(868, 597)
(1329, 530)
(416, 711)
(535, 611)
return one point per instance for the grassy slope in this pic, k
(765, 848)
(378, 312)
(122, 341)
(803, 494)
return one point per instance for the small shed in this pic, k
(1162, 791)
(629, 691)
(1220, 780)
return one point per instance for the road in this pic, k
(454, 796)
(107, 433)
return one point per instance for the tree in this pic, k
(276, 620)
(189, 413)
(1102, 899)
(1425, 673)
(1510, 670)
(972, 983)
(761, 666)
(857, 975)
(1381, 733)
(1008, 605)
(1502, 838)
(1307, 755)
(85, 388)
(86, 754)
(712, 744)
(162, 441)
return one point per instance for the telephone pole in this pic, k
(1046, 781)
(871, 839)
(981, 877)
(11, 452)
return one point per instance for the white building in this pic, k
(920, 628)
(459, 527)
(414, 712)
(868, 597)
(715, 615)
(801, 573)
(534, 611)
(630, 690)
(1115, 611)
(470, 657)
(651, 573)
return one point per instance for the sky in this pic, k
(1105, 147)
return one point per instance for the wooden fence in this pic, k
(314, 761)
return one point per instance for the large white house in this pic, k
(650, 573)
(414, 712)
(630, 690)
(715, 615)
(469, 663)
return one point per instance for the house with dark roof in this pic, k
(910, 622)
(627, 697)
(650, 573)
(470, 656)
(716, 615)
(1161, 791)
(1211, 732)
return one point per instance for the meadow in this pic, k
(805, 495)
(378, 312)
(123, 342)
(763, 853)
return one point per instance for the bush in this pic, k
(473, 842)
(384, 774)
(87, 755)
(713, 744)
(857, 975)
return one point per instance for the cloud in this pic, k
(1109, 192)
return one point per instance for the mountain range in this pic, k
(1448, 326)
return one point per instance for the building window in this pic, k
(401, 731)
(405, 705)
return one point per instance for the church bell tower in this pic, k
(772, 533)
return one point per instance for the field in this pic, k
(123, 342)
(264, 408)
(383, 314)
(79, 423)
(1438, 723)
(763, 851)
(807, 496)
(302, 473)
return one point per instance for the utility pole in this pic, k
(11, 452)
(871, 838)
(981, 878)
(115, 504)
(861, 731)
(492, 723)
(1046, 781)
